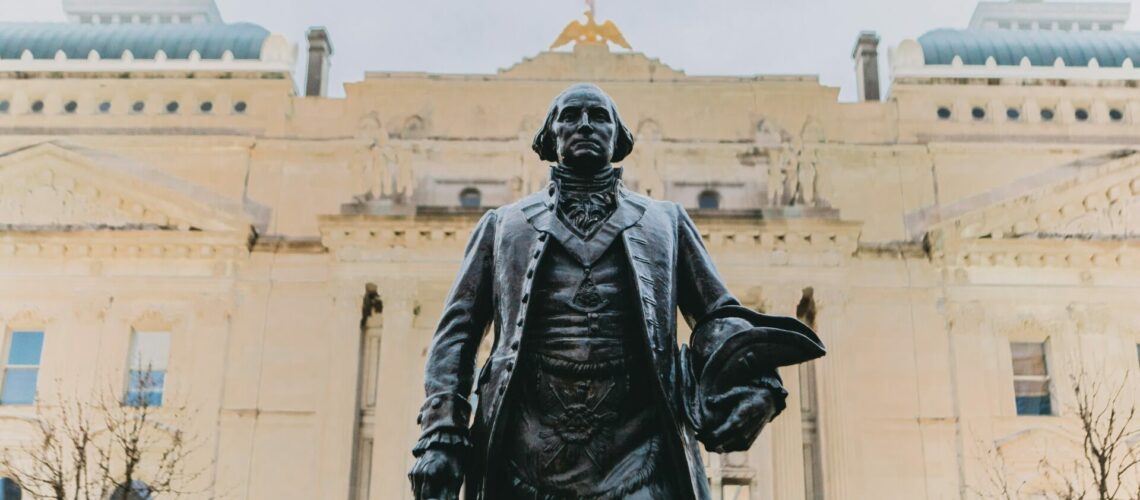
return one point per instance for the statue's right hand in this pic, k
(437, 475)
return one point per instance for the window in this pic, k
(1031, 378)
(9, 490)
(1115, 114)
(22, 368)
(240, 107)
(206, 107)
(470, 198)
(943, 113)
(1082, 114)
(1013, 114)
(1046, 115)
(70, 107)
(978, 112)
(708, 199)
(138, 490)
(38, 107)
(105, 107)
(138, 106)
(4, 106)
(147, 368)
(172, 107)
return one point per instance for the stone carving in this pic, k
(45, 197)
(584, 279)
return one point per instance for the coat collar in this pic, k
(539, 211)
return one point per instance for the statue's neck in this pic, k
(572, 180)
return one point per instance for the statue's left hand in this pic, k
(734, 418)
(437, 475)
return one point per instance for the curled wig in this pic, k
(546, 147)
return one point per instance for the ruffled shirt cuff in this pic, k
(442, 440)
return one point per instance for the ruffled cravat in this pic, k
(585, 200)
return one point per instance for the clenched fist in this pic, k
(437, 475)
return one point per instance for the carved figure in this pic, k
(587, 393)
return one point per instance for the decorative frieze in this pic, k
(783, 242)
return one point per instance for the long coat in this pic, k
(671, 269)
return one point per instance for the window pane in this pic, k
(144, 386)
(1032, 397)
(708, 200)
(1028, 358)
(19, 386)
(26, 348)
(9, 490)
(149, 349)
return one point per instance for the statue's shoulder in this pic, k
(658, 208)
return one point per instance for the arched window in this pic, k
(9, 490)
(708, 199)
(138, 490)
(470, 198)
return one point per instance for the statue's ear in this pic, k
(624, 144)
(544, 143)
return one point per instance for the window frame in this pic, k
(1047, 378)
(133, 397)
(8, 366)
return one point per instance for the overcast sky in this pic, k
(700, 37)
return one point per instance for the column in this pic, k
(399, 394)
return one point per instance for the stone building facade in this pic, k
(980, 220)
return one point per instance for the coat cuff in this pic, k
(444, 411)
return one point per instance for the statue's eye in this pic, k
(600, 115)
(568, 114)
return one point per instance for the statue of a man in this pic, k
(586, 393)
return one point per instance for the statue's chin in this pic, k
(586, 165)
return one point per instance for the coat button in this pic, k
(542, 237)
(502, 389)
(530, 273)
(519, 323)
(510, 365)
(515, 345)
(525, 298)
(537, 253)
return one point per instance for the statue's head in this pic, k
(583, 130)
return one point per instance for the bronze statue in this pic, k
(582, 282)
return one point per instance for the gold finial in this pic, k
(590, 33)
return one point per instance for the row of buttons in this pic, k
(522, 308)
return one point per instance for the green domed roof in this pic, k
(244, 40)
(1110, 48)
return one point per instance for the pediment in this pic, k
(57, 186)
(592, 63)
(1095, 198)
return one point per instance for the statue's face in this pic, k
(584, 129)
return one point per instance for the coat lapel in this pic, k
(540, 214)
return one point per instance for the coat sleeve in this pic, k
(700, 293)
(700, 290)
(451, 357)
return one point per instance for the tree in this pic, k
(1107, 467)
(127, 448)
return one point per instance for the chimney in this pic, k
(320, 59)
(866, 57)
